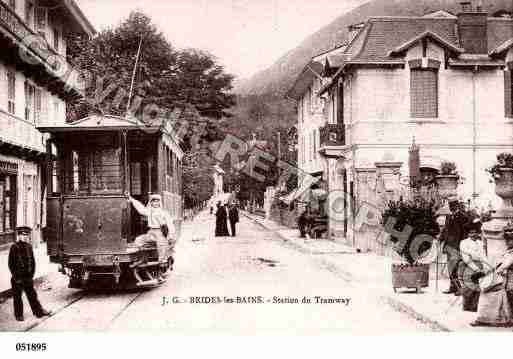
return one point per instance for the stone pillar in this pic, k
(493, 230)
(389, 172)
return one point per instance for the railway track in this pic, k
(90, 310)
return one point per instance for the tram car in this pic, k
(93, 164)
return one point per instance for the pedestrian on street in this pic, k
(302, 223)
(221, 221)
(22, 265)
(233, 216)
(451, 237)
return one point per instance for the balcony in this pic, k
(332, 138)
(23, 47)
(20, 137)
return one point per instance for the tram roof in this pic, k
(102, 123)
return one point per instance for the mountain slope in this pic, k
(278, 78)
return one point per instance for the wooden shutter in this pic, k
(340, 112)
(424, 93)
(507, 94)
(38, 105)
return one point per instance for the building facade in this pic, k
(442, 80)
(34, 87)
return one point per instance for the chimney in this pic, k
(473, 28)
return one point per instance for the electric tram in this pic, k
(93, 164)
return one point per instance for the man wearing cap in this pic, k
(160, 225)
(23, 267)
(451, 237)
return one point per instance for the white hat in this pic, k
(157, 197)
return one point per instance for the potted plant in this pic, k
(447, 181)
(502, 175)
(420, 216)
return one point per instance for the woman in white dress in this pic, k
(494, 307)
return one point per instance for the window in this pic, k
(11, 92)
(28, 199)
(508, 94)
(30, 91)
(38, 105)
(300, 111)
(29, 14)
(424, 93)
(55, 163)
(55, 110)
(340, 114)
(92, 165)
(308, 104)
(314, 143)
(7, 202)
(56, 39)
(42, 21)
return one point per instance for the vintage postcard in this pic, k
(256, 166)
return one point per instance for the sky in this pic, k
(246, 36)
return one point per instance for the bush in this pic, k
(420, 215)
(448, 169)
(504, 160)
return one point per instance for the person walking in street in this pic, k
(451, 237)
(302, 222)
(22, 265)
(221, 221)
(233, 216)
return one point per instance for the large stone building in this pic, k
(35, 84)
(444, 80)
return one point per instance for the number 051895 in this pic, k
(31, 347)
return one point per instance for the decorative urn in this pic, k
(493, 230)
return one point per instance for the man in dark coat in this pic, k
(23, 267)
(233, 216)
(452, 235)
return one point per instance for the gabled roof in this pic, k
(440, 14)
(425, 35)
(100, 123)
(77, 14)
(385, 34)
(312, 70)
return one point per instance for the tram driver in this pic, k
(160, 226)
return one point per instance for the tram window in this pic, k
(135, 180)
(55, 170)
(94, 169)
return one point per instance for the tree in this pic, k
(198, 183)
(166, 78)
